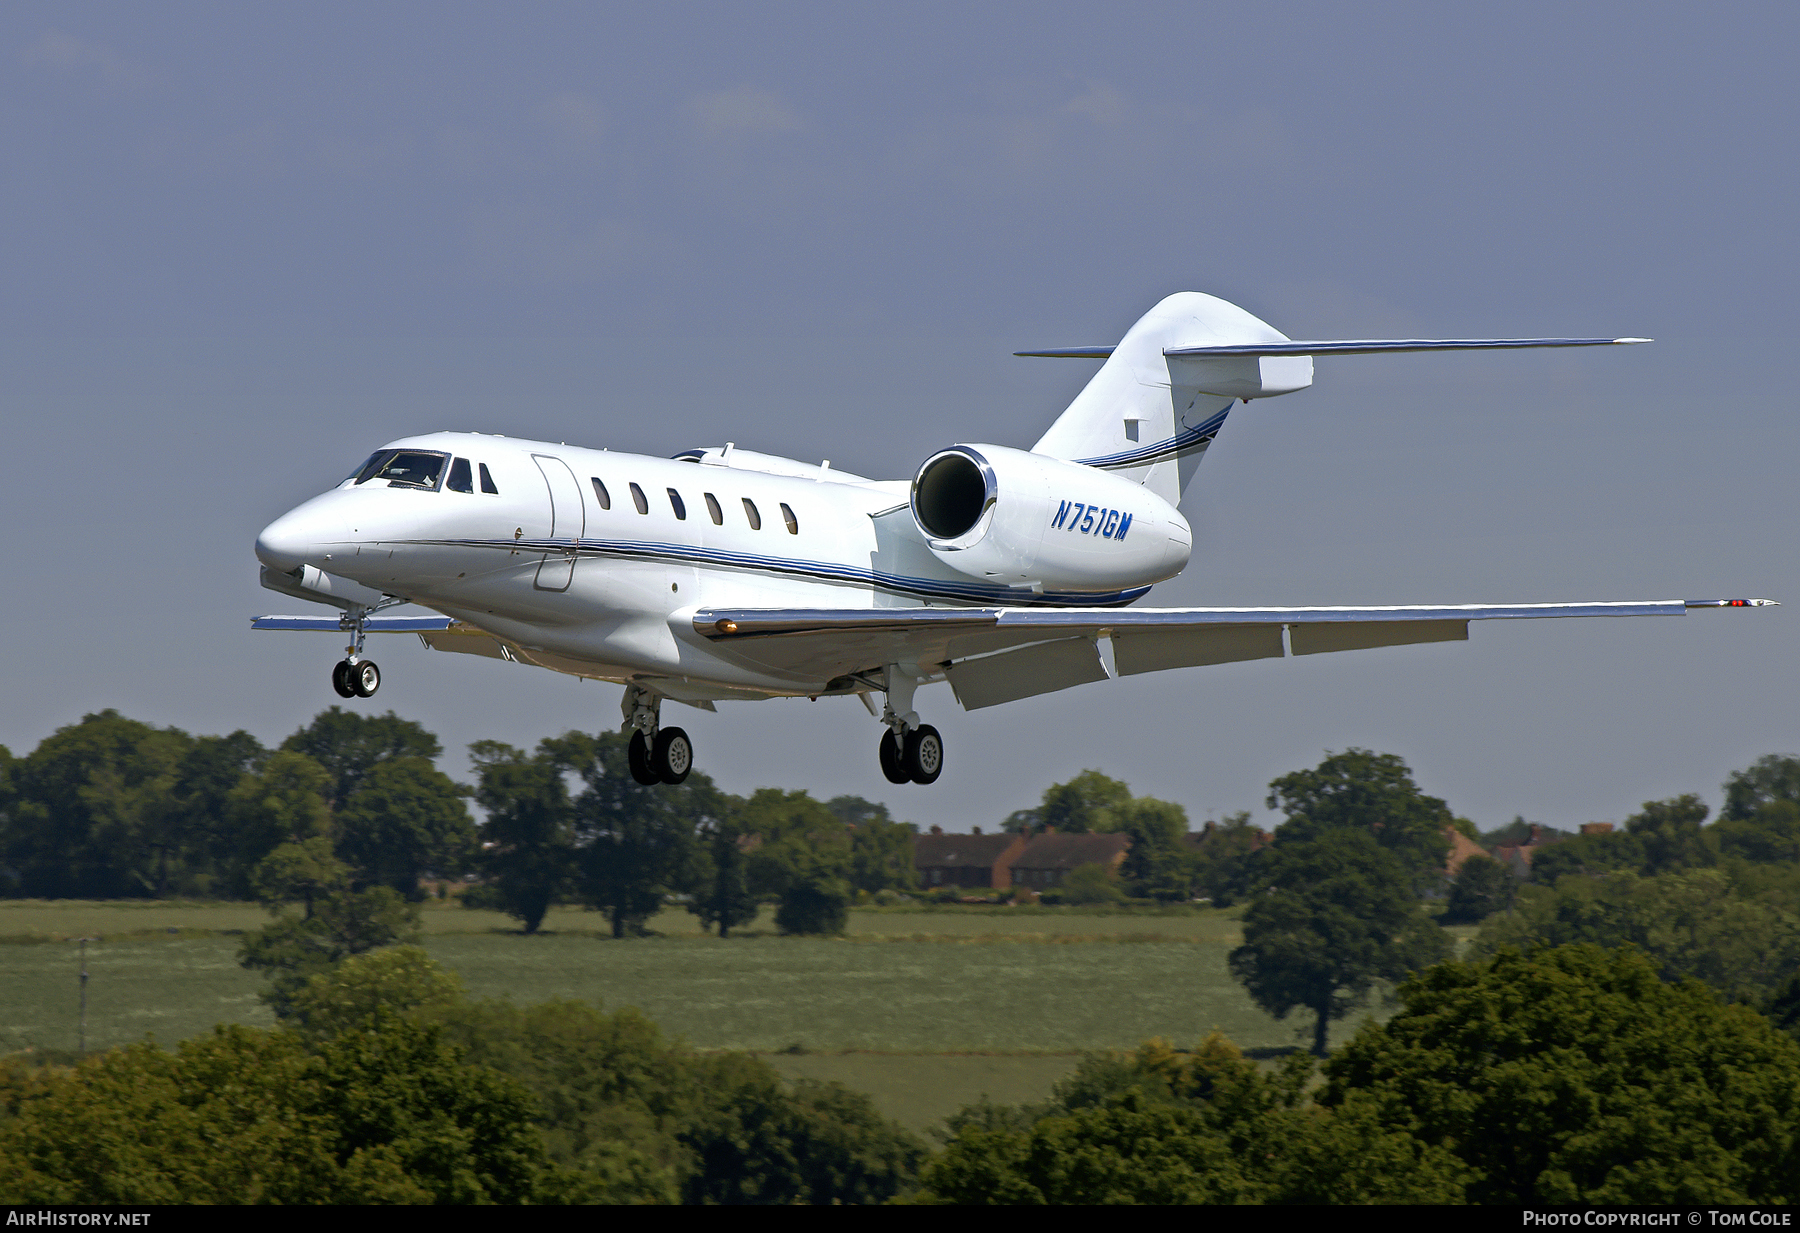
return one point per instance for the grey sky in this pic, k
(243, 245)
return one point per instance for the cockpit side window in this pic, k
(487, 481)
(364, 466)
(407, 469)
(377, 460)
(460, 480)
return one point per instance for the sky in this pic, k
(246, 244)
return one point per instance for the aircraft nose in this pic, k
(288, 543)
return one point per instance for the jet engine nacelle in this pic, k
(1022, 519)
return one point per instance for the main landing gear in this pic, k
(910, 751)
(353, 676)
(655, 754)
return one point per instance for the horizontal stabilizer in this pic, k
(1352, 346)
(1374, 346)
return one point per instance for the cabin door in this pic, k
(568, 522)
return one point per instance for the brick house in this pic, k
(1047, 859)
(966, 860)
(1517, 856)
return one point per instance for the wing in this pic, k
(995, 655)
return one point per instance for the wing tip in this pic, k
(1732, 603)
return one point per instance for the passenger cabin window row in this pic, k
(422, 469)
(714, 510)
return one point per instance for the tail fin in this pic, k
(1143, 416)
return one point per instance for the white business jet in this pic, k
(726, 574)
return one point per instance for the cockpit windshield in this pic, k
(404, 468)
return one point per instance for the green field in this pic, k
(924, 1008)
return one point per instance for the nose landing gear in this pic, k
(353, 676)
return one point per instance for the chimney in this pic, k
(1535, 831)
(937, 830)
(975, 829)
(1208, 828)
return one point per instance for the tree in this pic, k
(293, 950)
(355, 994)
(804, 859)
(639, 844)
(1373, 793)
(284, 802)
(813, 904)
(1770, 835)
(881, 849)
(1091, 884)
(754, 1141)
(1225, 860)
(723, 900)
(529, 835)
(1689, 924)
(1481, 887)
(1587, 856)
(304, 872)
(387, 1115)
(1575, 1075)
(405, 819)
(1083, 804)
(1771, 778)
(349, 745)
(1205, 1124)
(208, 772)
(1332, 915)
(1671, 834)
(90, 812)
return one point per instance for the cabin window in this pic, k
(751, 514)
(640, 500)
(675, 503)
(787, 516)
(600, 493)
(460, 479)
(713, 511)
(487, 481)
(406, 468)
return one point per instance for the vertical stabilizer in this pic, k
(1144, 416)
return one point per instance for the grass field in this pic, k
(924, 1008)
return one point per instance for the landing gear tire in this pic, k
(365, 678)
(673, 756)
(637, 756)
(924, 760)
(892, 759)
(340, 679)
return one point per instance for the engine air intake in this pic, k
(950, 495)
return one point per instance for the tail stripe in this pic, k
(1189, 441)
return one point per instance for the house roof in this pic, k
(951, 851)
(1461, 849)
(1051, 851)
